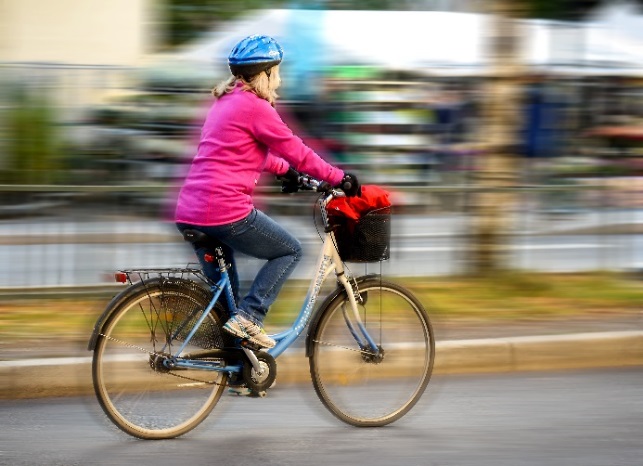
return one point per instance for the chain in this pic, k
(193, 379)
(154, 353)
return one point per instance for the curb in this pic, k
(71, 376)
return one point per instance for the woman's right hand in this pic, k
(350, 185)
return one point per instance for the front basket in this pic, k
(365, 240)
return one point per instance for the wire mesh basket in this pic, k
(365, 240)
(176, 300)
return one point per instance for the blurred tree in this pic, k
(190, 18)
(569, 10)
(500, 118)
(498, 131)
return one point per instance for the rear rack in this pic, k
(132, 276)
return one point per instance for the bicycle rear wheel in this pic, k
(358, 386)
(141, 395)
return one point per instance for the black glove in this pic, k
(350, 185)
(289, 181)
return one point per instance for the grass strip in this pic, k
(505, 296)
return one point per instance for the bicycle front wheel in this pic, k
(358, 385)
(138, 392)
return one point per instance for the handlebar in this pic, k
(329, 193)
(310, 183)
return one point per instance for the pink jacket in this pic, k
(242, 136)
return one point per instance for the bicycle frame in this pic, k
(327, 262)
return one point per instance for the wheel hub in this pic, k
(373, 358)
(161, 363)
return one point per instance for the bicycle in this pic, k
(161, 359)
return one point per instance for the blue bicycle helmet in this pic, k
(253, 55)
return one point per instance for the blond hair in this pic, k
(264, 85)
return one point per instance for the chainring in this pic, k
(260, 382)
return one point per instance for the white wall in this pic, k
(87, 32)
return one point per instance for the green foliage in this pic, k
(530, 295)
(32, 142)
(570, 10)
(505, 298)
(190, 18)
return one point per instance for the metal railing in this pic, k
(61, 238)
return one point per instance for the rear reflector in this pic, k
(121, 277)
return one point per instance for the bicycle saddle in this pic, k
(194, 236)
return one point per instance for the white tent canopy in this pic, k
(388, 39)
(609, 42)
(441, 43)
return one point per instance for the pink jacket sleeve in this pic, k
(268, 127)
(276, 165)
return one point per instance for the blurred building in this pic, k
(402, 106)
(116, 32)
(58, 59)
(77, 47)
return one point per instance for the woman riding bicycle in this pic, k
(242, 136)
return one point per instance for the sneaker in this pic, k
(239, 390)
(246, 329)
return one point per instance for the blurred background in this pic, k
(509, 132)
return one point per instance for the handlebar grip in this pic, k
(324, 187)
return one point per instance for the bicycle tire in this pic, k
(357, 387)
(137, 393)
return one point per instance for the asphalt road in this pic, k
(559, 418)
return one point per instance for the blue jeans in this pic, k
(257, 236)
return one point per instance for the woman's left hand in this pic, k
(289, 181)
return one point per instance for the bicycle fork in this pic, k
(354, 321)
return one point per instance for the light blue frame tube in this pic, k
(327, 261)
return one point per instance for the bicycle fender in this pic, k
(331, 296)
(109, 310)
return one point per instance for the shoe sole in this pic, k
(245, 336)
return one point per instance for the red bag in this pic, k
(362, 225)
(372, 198)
